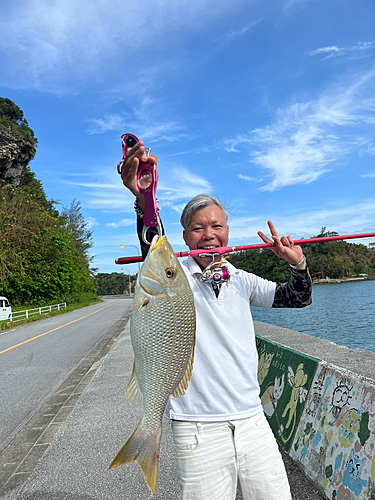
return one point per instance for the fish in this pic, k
(162, 332)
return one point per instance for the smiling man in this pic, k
(219, 430)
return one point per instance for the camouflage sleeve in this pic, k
(295, 293)
(150, 234)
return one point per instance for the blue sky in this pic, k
(268, 105)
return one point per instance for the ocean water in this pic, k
(343, 313)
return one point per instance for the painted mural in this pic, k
(335, 442)
(284, 377)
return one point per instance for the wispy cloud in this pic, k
(178, 184)
(307, 138)
(106, 124)
(122, 223)
(233, 35)
(169, 131)
(370, 175)
(345, 218)
(249, 179)
(48, 41)
(334, 51)
(91, 222)
(181, 184)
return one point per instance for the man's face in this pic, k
(207, 229)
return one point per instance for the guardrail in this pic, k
(20, 315)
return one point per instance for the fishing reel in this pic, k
(219, 275)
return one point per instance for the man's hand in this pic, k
(129, 170)
(284, 247)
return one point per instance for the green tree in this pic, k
(337, 259)
(77, 226)
(12, 116)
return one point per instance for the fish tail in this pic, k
(142, 447)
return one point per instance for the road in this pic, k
(36, 358)
(62, 452)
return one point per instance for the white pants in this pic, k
(211, 455)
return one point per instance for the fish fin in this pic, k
(183, 385)
(142, 447)
(138, 303)
(133, 392)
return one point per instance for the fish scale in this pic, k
(162, 331)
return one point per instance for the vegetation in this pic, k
(114, 283)
(337, 259)
(43, 255)
(11, 116)
(84, 301)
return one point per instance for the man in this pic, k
(219, 430)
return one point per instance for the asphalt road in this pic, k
(65, 455)
(36, 358)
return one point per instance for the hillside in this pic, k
(43, 254)
(337, 259)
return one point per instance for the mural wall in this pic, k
(284, 376)
(335, 441)
(323, 416)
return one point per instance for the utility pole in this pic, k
(130, 284)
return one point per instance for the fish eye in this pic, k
(169, 272)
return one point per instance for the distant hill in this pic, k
(337, 259)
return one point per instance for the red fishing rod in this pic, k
(241, 248)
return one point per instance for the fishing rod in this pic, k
(241, 248)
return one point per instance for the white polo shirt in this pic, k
(224, 384)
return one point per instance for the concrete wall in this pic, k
(320, 401)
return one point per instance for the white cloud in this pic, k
(370, 175)
(91, 222)
(232, 35)
(45, 40)
(249, 179)
(178, 185)
(334, 51)
(345, 218)
(181, 184)
(169, 131)
(122, 223)
(307, 138)
(106, 124)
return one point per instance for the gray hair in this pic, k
(195, 204)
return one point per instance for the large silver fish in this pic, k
(162, 331)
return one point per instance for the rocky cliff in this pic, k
(16, 152)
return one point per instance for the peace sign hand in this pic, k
(284, 247)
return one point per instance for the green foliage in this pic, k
(263, 263)
(76, 225)
(336, 259)
(39, 259)
(43, 256)
(11, 116)
(114, 283)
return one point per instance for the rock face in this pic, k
(15, 154)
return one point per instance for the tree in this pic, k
(77, 226)
(324, 233)
(12, 116)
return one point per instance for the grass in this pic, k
(8, 325)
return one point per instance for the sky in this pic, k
(268, 105)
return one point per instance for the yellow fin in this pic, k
(133, 392)
(142, 447)
(183, 385)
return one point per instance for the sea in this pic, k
(343, 313)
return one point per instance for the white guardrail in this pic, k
(20, 315)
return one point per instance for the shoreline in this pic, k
(339, 280)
